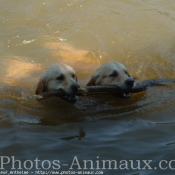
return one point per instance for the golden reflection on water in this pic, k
(35, 34)
(86, 34)
(83, 61)
(21, 73)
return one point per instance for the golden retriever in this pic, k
(112, 73)
(59, 77)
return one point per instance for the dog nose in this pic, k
(129, 82)
(75, 87)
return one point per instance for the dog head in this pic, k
(112, 73)
(59, 77)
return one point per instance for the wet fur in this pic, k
(56, 77)
(111, 73)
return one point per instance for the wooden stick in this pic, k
(139, 87)
(89, 90)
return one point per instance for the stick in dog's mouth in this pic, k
(89, 90)
(58, 93)
(69, 98)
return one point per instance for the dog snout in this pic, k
(129, 82)
(75, 87)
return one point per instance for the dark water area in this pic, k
(136, 134)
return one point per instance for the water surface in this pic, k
(85, 34)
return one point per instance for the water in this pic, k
(86, 34)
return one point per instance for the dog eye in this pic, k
(126, 72)
(73, 75)
(113, 74)
(60, 77)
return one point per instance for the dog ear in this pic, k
(41, 87)
(92, 81)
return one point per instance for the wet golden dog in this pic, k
(112, 73)
(59, 77)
